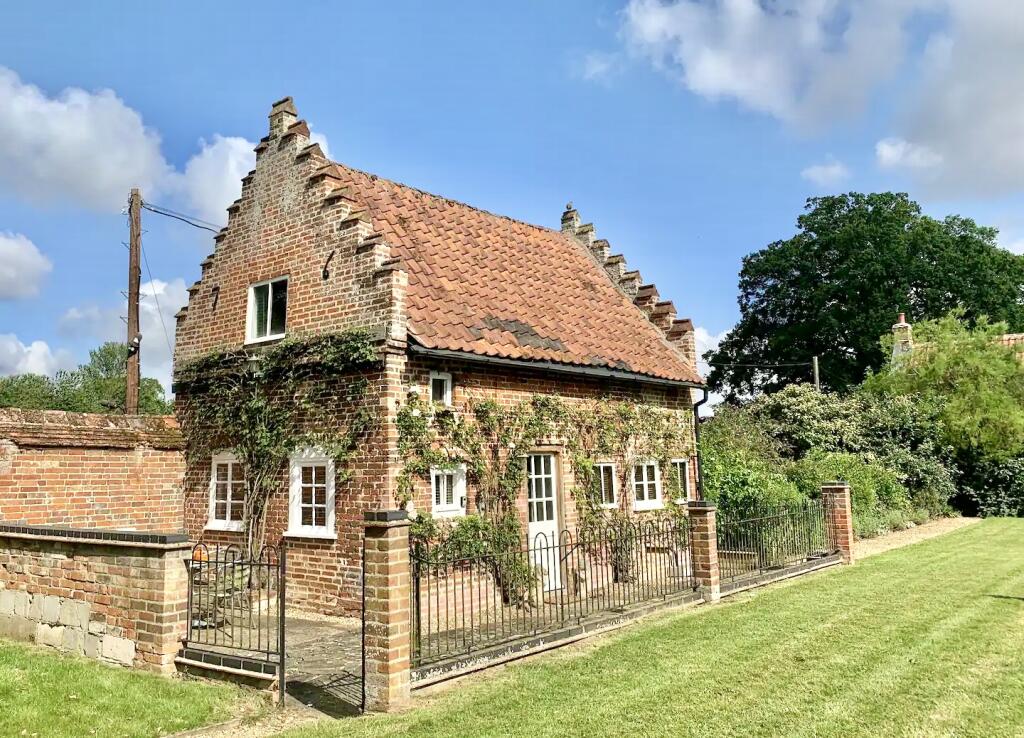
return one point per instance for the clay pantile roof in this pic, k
(494, 286)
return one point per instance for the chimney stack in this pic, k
(282, 115)
(903, 343)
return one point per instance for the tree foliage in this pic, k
(833, 288)
(95, 387)
(976, 380)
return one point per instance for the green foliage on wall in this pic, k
(264, 404)
(492, 439)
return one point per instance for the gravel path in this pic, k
(872, 546)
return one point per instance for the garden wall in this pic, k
(113, 596)
(91, 471)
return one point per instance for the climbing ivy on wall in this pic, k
(263, 404)
(492, 439)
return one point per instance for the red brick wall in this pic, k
(511, 386)
(90, 471)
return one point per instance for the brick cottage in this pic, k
(463, 304)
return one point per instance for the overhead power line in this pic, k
(189, 219)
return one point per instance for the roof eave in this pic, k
(600, 372)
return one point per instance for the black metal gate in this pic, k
(236, 610)
(772, 539)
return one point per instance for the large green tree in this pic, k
(833, 288)
(95, 387)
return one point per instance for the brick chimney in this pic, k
(282, 115)
(681, 334)
(903, 339)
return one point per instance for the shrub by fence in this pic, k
(772, 539)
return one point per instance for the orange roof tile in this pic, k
(491, 285)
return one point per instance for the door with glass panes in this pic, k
(542, 530)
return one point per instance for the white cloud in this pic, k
(826, 174)
(597, 66)
(897, 153)
(212, 178)
(969, 108)
(158, 299)
(802, 61)
(958, 128)
(707, 341)
(90, 149)
(34, 358)
(22, 267)
(87, 147)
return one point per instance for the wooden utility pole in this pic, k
(817, 377)
(131, 392)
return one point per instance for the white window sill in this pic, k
(647, 505)
(322, 534)
(265, 339)
(609, 505)
(448, 513)
(224, 526)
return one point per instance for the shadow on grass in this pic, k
(1006, 597)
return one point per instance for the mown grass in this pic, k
(922, 641)
(49, 695)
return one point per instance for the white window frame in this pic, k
(212, 521)
(600, 485)
(459, 496)
(250, 312)
(299, 459)
(647, 504)
(684, 486)
(446, 377)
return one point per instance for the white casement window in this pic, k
(681, 473)
(606, 485)
(646, 486)
(268, 310)
(448, 491)
(441, 388)
(227, 493)
(311, 495)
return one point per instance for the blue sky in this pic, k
(690, 133)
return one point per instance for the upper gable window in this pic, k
(441, 388)
(268, 307)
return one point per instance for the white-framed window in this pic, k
(441, 388)
(448, 491)
(681, 473)
(311, 495)
(606, 485)
(646, 486)
(268, 310)
(227, 493)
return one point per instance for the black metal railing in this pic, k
(236, 604)
(772, 539)
(464, 603)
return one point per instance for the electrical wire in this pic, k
(761, 366)
(189, 219)
(167, 336)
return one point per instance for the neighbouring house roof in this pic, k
(49, 428)
(1016, 340)
(494, 286)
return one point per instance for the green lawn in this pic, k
(46, 694)
(922, 641)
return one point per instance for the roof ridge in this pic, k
(420, 191)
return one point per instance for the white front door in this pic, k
(542, 498)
